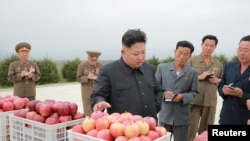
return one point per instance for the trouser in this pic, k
(200, 118)
(86, 92)
(179, 133)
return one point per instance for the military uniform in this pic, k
(207, 99)
(24, 86)
(84, 68)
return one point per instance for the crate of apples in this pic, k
(50, 111)
(46, 120)
(118, 127)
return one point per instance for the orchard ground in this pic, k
(72, 92)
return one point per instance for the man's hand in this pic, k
(248, 104)
(101, 106)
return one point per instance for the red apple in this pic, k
(145, 138)
(92, 133)
(18, 103)
(161, 130)
(51, 120)
(151, 121)
(64, 118)
(54, 115)
(32, 105)
(102, 123)
(37, 106)
(153, 135)
(63, 108)
(30, 115)
(45, 109)
(16, 113)
(117, 129)
(126, 115)
(78, 115)
(8, 106)
(77, 129)
(22, 113)
(73, 108)
(121, 138)
(39, 118)
(105, 135)
(136, 117)
(26, 101)
(97, 114)
(1, 104)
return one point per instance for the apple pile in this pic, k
(120, 127)
(50, 111)
(11, 103)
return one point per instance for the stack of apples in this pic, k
(120, 127)
(11, 103)
(50, 111)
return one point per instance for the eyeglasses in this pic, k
(244, 50)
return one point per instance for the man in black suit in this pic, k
(128, 84)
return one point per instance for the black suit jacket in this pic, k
(135, 91)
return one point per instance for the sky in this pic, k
(65, 29)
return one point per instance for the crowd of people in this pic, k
(181, 95)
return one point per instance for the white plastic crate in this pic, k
(27, 130)
(5, 125)
(73, 136)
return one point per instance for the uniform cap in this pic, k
(23, 46)
(93, 55)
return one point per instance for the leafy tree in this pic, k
(4, 65)
(69, 69)
(168, 59)
(154, 61)
(49, 71)
(222, 58)
(234, 58)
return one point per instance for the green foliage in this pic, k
(222, 58)
(168, 59)
(4, 65)
(154, 61)
(234, 58)
(69, 69)
(49, 71)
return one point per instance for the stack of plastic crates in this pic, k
(5, 125)
(27, 130)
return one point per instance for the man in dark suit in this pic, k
(234, 87)
(128, 84)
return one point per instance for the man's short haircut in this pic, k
(210, 37)
(186, 44)
(245, 38)
(133, 36)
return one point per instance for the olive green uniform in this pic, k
(87, 84)
(203, 108)
(24, 86)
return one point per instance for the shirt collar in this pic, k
(128, 69)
